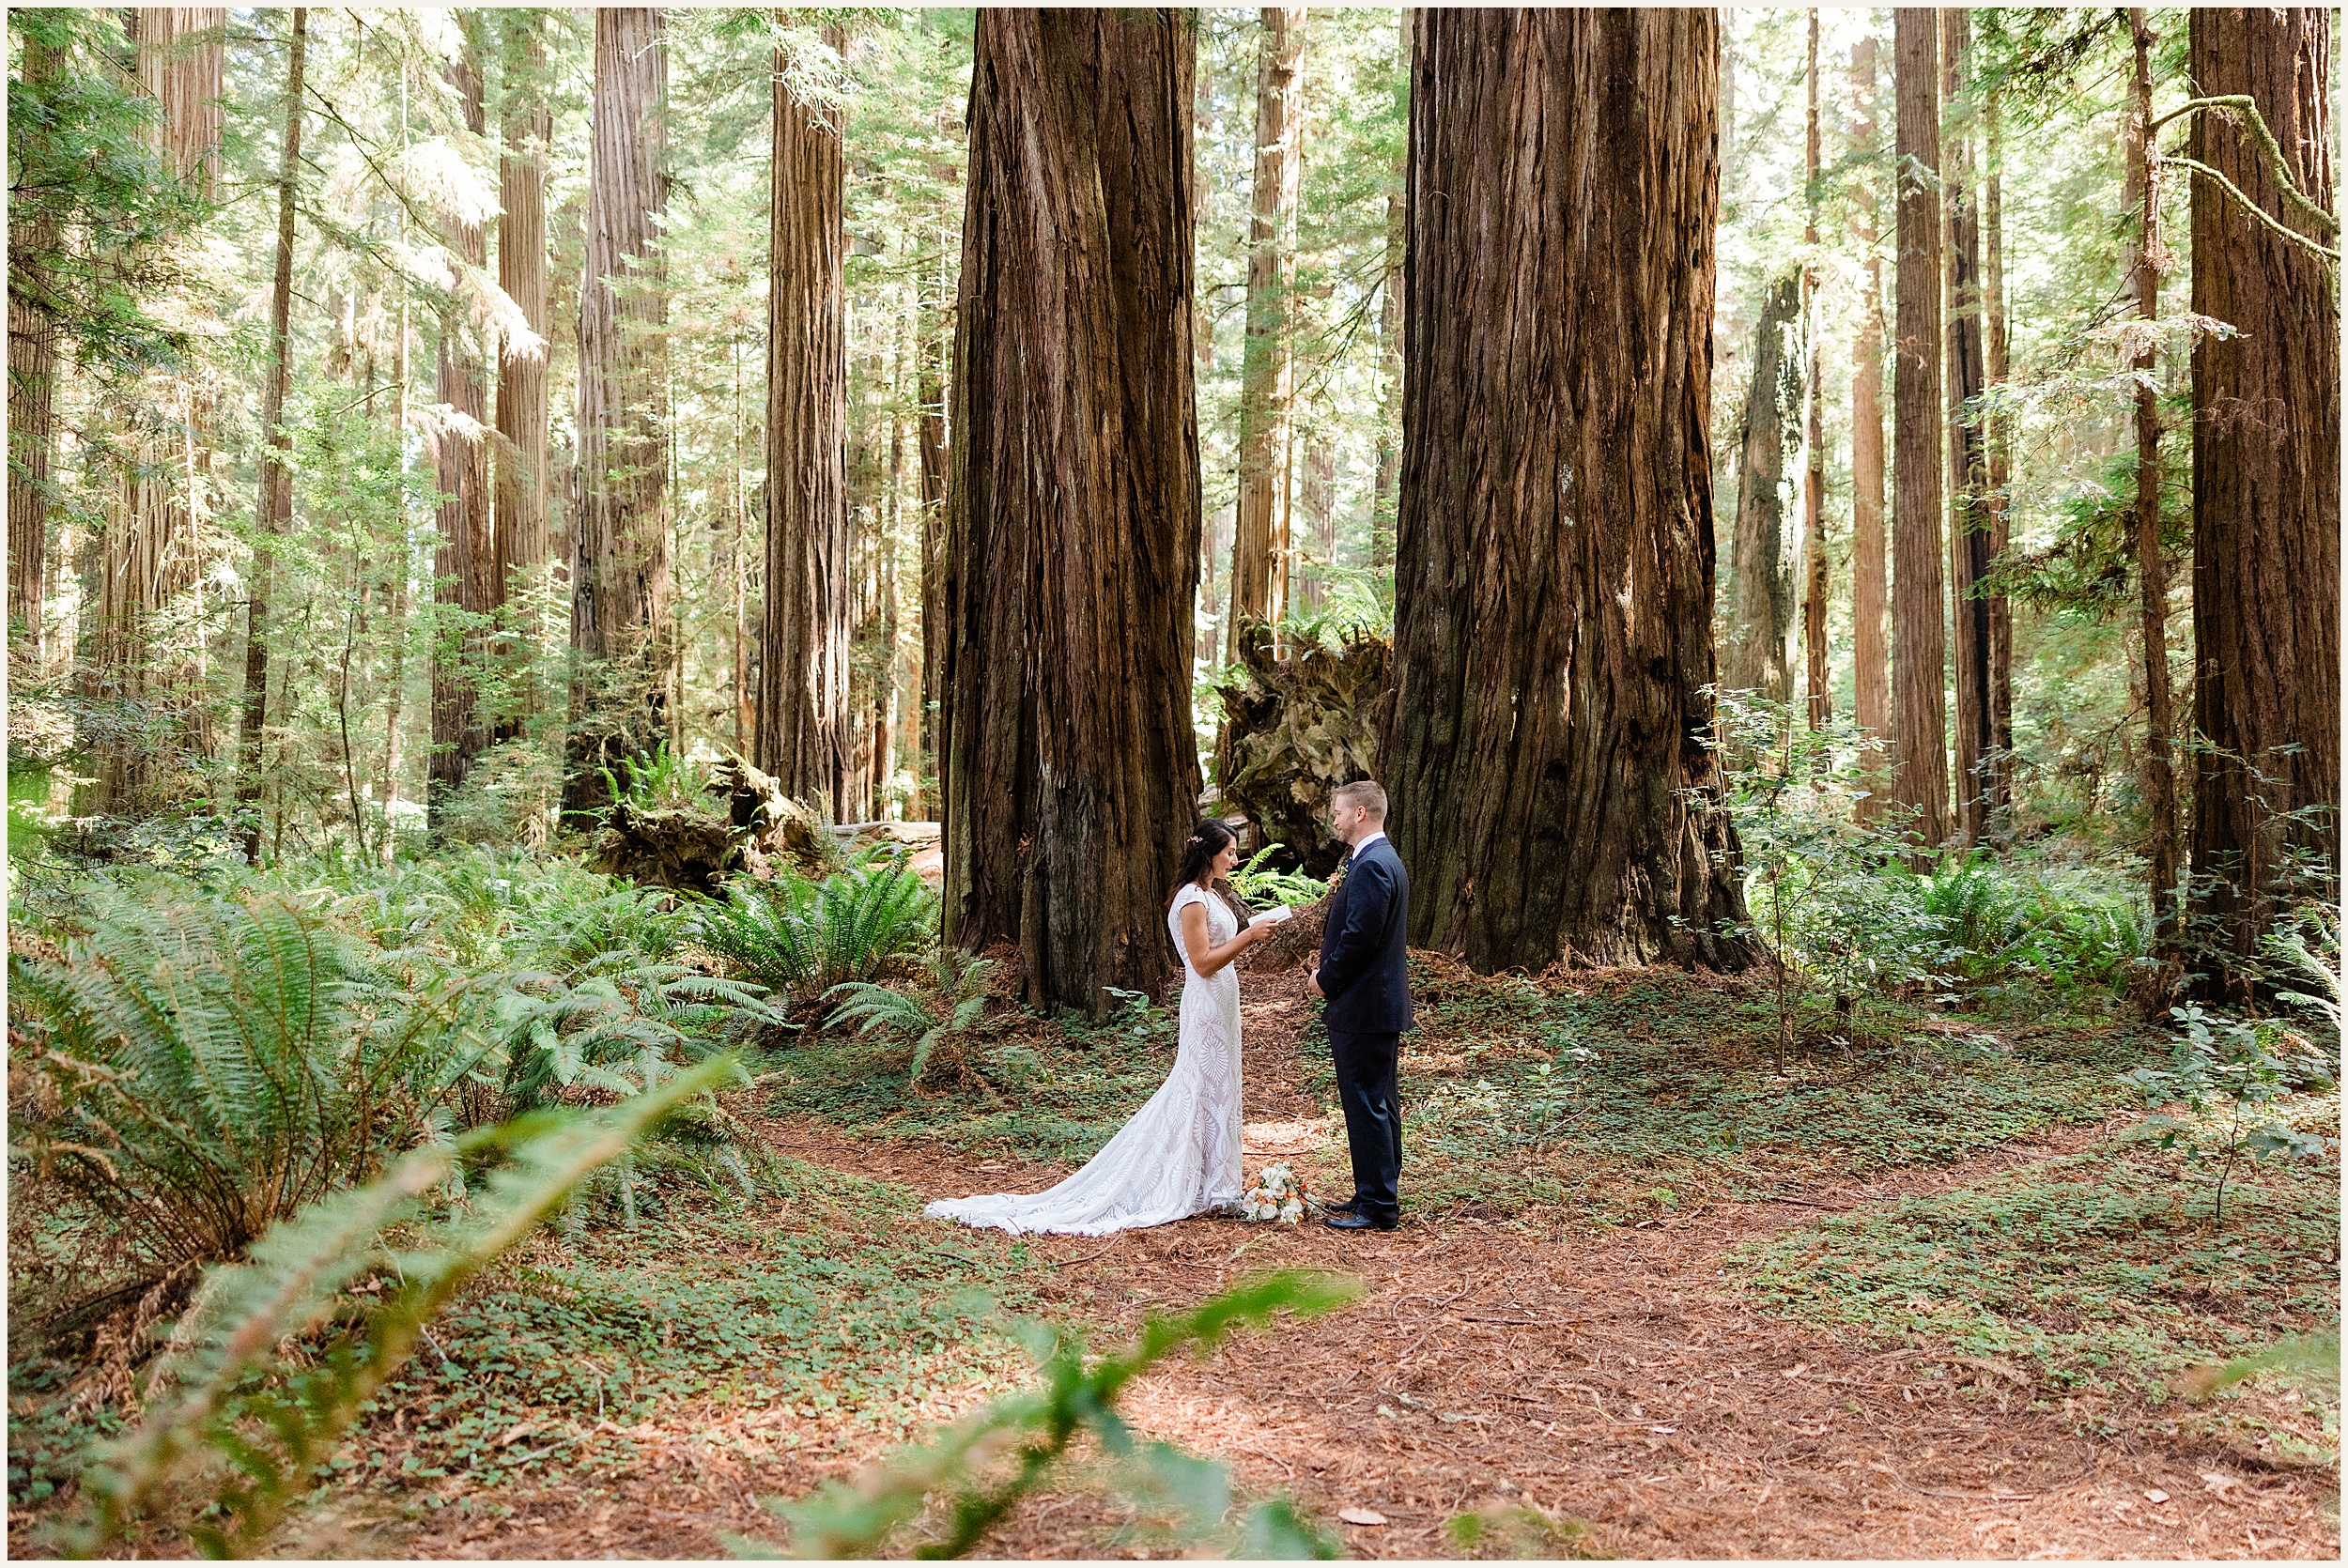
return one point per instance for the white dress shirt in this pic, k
(1363, 845)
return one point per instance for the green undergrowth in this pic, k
(1635, 1097)
(2101, 1270)
(816, 1312)
(1042, 1088)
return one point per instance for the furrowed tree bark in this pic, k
(1555, 558)
(1871, 673)
(465, 565)
(1813, 422)
(1317, 502)
(32, 411)
(804, 730)
(275, 503)
(1769, 500)
(526, 126)
(620, 578)
(1968, 458)
(2265, 497)
(1071, 534)
(1920, 775)
(2152, 567)
(1260, 535)
(149, 550)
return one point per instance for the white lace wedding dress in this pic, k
(1180, 1155)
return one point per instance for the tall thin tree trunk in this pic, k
(1317, 502)
(1814, 425)
(805, 735)
(1383, 485)
(1969, 463)
(1920, 780)
(1768, 541)
(936, 345)
(465, 565)
(1871, 672)
(2152, 567)
(1259, 538)
(620, 581)
(2265, 496)
(276, 503)
(1554, 555)
(526, 125)
(32, 414)
(1071, 535)
(1999, 431)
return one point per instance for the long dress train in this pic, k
(1180, 1155)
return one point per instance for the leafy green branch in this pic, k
(1034, 1430)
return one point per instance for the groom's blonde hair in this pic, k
(1364, 793)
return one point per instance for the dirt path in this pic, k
(1610, 1377)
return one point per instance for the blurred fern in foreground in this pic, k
(273, 1438)
(1032, 1432)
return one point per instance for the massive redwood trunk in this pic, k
(2265, 494)
(620, 589)
(802, 730)
(1070, 542)
(1919, 774)
(1871, 671)
(1554, 555)
(1768, 541)
(465, 566)
(526, 124)
(1259, 536)
(1969, 520)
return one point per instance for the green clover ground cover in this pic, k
(1045, 1089)
(1614, 1099)
(821, 1302)
(2099, 1271)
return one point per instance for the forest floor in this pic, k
(1649, 1297)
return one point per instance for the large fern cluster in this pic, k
(211, 1066)
(803, 938)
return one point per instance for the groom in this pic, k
(1364, 977)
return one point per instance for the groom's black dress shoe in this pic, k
(1347, 1207)
(1353, 1220)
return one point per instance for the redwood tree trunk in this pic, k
(32, 414)
(620, 589)
(1385, 480)
(1968, 457)
(1812, 425)
(2152, 567)
(1919, 777)
(465, 567)
(1554, 555)
(2265, 496)
(803, 731)
(276, 503)
(1871, 673)
(149, 550)
(1770, 465)
(1259, 537)
(1070, 542)
(527, 124)
(1999, 431)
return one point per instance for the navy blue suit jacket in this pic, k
(1365, 959)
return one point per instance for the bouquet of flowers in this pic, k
(1279, 1194)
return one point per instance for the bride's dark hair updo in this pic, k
(1206, 842)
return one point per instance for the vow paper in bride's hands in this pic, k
(1274, 916)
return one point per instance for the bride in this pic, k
(1180, 1155)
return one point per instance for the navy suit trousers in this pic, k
(1373, 1117)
